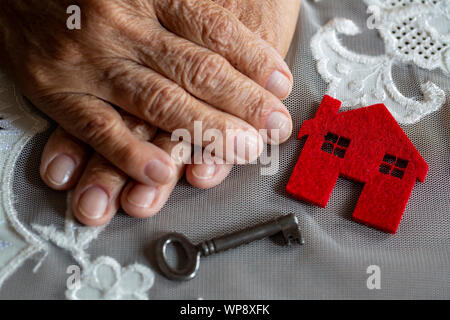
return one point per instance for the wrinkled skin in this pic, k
(273, 20)
(212, 66)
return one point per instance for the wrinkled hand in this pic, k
(165, 79)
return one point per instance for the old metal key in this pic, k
(287, 226)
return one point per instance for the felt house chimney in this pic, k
(328, 107)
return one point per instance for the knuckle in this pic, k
(117, 76)
(100, 129)
(257, 107)
(45, 72)
(39, 80)
(261, 59)
(220, 124)
(139, 128)
(210, 24)
(162, 105)
(68, 52)
(208, 72)
(271, 36)
(103, 9)
(107, 17)
(220, 30)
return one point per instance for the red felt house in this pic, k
(365, 145)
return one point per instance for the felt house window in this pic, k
(335, 145)
(393, 166)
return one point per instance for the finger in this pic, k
(142, 201)
(99, 125)
(207, 173)
(210, 25)
(211, 78)
(161, 102)
(63, 160)
(96, 196)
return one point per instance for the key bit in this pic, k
(287, 226)
(290, 231)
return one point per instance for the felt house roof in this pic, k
(373, 126)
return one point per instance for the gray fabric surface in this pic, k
(415, 263)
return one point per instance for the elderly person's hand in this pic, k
(165, 62)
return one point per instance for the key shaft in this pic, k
(248, 235)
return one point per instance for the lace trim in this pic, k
(103, 278)
(360, 80)
(407, 29)
(107, 280)
(18, 125)
(4, 244)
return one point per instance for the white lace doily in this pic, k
(103, 278)
(414, 31)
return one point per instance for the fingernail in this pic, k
(278, 121)
(204, 171)
(279, 84)
(93, 203)
(247, 146)
(158, 171)
(60, 169)
(141, 195)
